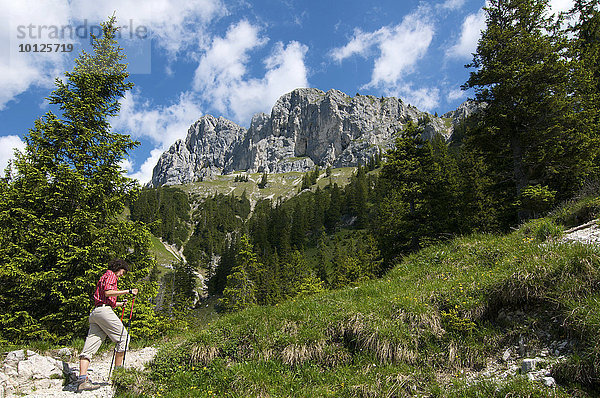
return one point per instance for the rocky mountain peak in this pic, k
(306, 127)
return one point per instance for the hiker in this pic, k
(104, 322)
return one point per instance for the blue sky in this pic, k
(234, 58)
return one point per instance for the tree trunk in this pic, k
(521, 180)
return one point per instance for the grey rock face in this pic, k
(463, 111)
(206, 151)
(306, 127)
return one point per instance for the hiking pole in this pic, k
(128, 329)
(115, 349)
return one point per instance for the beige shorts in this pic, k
(104, 323)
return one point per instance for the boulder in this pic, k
(39, 367)
(549, 381)
(25, 371)
(528, 365)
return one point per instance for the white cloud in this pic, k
(224, 63)
(20, 22)
(361, 44)
(469, 37)
(396, 51)
(399, 48)
(406, 44)
(456, 94)
(8, 144)
(453, 4)
(144, 173)
(163, 125)
(424, 98)
(222, 73)
(175, 26)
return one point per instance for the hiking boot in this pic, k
(87, 385)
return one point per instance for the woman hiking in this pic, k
(104, 322)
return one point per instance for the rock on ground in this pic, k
(29, 374)
(587, 233)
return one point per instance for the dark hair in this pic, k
(118, 263)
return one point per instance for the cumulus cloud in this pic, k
(401, 49)
(21, 70)
(424, 98)
(222, 74)
(174, 25)
(144, 173)
(469, 36)
(396, 51)
(161, 125)
(8, 144)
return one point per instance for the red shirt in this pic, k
(108, 281)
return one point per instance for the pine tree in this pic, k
(264, 180)
(59, 207)
(333, 214)
(240, 291)
(528, 124)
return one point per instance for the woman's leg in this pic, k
(92, 343)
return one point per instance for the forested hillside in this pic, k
(455, 319)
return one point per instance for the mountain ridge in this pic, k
(306, 127)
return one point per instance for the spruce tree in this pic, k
(402, 214)
(240, 291)
(333, 214)
(59, 207)
(528, 121)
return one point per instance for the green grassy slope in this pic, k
(434, 326)
(163, 256)
(282, 185)
(431, 322)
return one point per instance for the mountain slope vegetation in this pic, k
(429, 327)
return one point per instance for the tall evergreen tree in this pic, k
(299, 225)
(402, 214)
(333, 213)
(240, 291)
(528, 126)
(59, 207)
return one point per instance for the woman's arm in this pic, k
(113, 293)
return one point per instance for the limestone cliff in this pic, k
(306, 127)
